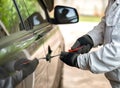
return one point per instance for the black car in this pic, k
(28, 29)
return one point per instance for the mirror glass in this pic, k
(65, 14)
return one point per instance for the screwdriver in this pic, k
(47, 58)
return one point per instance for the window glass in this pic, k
(31, 12)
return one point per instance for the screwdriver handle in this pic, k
(75, 50)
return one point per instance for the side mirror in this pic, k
(65, 15)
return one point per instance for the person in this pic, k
(106, 59)
(13, 72)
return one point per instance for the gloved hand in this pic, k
(70, 58)
(85, 42)
(27, 66)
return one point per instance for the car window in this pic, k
(29, 9)
(31, 12)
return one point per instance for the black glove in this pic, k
(85, 42)
(27, 66)
(70, 58)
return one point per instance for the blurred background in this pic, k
(90, 13)
(86, 7)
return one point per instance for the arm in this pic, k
(97, 33)
(104, 60)
(107, 58)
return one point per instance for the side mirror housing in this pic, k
(65, 15)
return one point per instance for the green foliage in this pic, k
(9, 15)
(90, 18)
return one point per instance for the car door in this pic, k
(47, 34)
(32, 34)
(27, 27)
(47, 73)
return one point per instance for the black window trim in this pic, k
(18, 11)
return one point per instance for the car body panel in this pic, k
(16, 42)
(47, 72)
(28, 34)
(56, 42)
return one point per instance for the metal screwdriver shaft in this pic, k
(49, 57)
